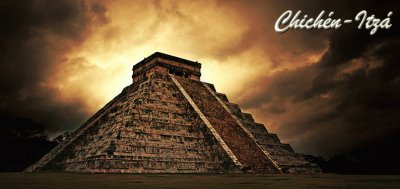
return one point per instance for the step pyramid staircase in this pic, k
(168, 121)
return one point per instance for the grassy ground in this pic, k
(75, 181)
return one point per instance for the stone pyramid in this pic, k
(168, 121)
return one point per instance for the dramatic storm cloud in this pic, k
(347, 102)
(324, 92)
(35, 37)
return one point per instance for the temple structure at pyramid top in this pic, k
(160, 62)
(168, 121)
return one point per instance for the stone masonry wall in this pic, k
(152, 129)
(283, 154)
(234, 136)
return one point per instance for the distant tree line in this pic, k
(341, 164)
(22, 143)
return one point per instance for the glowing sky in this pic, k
(62, 61)
(234, 49)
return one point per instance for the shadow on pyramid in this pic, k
(168, 121)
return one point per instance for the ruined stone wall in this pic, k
(179, 65)
(164, 65)
(151, 129)
(244, 148)
(283, 154)
(142, 74)
(287, 159)
(167, 124)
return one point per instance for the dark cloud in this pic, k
(348, 102)
(345, 103)
(34, 39)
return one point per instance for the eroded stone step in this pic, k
(230, 131)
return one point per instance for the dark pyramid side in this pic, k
(168, 121)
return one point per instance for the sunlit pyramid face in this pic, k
(168, 121)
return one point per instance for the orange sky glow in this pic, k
(233, 49)
(323, 91)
